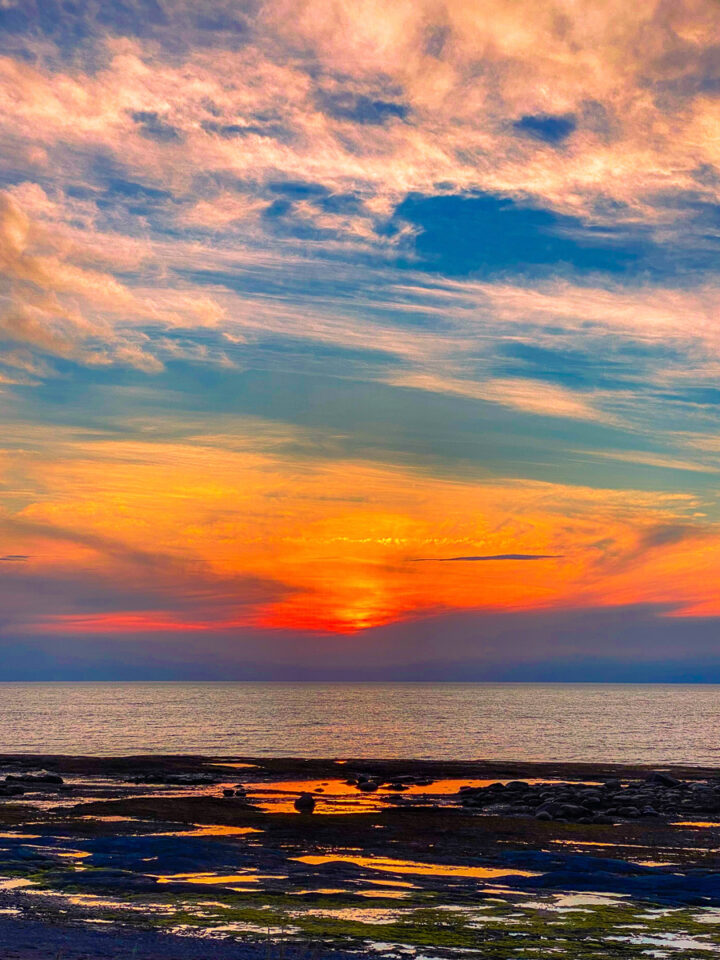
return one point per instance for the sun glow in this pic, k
(244, 537)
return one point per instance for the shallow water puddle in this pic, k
(330, 796)
(210, 933)
(208, 878)
(216, 878)
(94, 901)
(355, 914)
(325, 891)
(209, 830)
(410, 866)
(393, 883)
(15, 883)
(392, 894)
(113, 819)
(670, 941)
(572, 901)
(336, 796)
(695, 823)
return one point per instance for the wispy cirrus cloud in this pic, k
(491, 556)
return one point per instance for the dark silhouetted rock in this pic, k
(305, 803)
(367, 786)
(663, 779)
(44, 777)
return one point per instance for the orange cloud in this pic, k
(233, 509)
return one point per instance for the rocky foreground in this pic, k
(241, 858)
(658, 794)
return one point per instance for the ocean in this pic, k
(625, 723)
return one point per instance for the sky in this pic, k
(348, 339)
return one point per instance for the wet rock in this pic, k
(543, 815)
(11, 790)
(367, 786)
(228, 792)
(629, 812)
(175, 779)
(305, 803)
(650, 812)
(44, 777)
(499, 809)
(664, 779)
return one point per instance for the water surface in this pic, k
(625, 723)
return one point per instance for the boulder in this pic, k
(305, 803)
(663, 779)
(367, 786)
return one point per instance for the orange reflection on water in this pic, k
(695, 823)
(212, 830)
(411, 866)
(215, 878)
(338, 797)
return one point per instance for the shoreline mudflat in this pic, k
(176, 855)
(317, 766)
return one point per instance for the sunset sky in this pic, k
(360, 339)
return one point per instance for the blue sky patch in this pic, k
(545, 126)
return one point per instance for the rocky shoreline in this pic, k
(383, 858)
(658, 794)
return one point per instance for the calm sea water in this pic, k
(613, 722)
